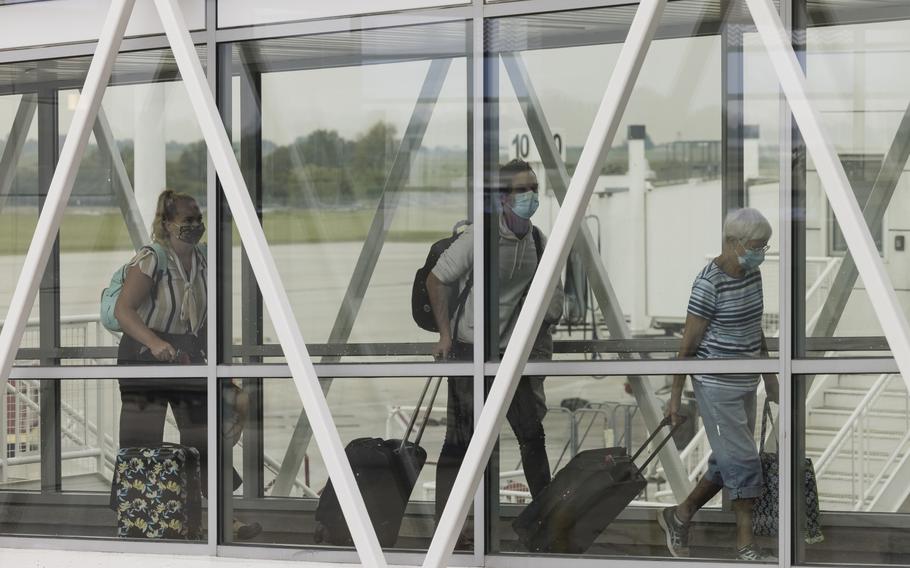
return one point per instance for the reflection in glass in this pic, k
(354, 146)
(850, 58)
(683, 145)
(144, 140)
(19, 195)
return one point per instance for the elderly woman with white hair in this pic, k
(724, 321)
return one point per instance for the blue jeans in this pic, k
(729, 417)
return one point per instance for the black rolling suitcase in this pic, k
(386, 471)
(584, 497)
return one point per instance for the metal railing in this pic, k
(89, 427)
(818, 291)
(852, 443)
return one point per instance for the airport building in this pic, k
(590, 165)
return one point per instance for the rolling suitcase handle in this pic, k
(665, 422)
(426, 417)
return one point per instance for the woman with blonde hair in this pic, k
(162, 311)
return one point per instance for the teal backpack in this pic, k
(110, 294)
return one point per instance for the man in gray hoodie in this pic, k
(517, 254)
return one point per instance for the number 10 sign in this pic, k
(522, 146)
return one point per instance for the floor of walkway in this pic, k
(43, 558)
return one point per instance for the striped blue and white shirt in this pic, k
(733, 308)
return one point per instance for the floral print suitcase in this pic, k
(156, 493)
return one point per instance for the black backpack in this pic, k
(421, 310)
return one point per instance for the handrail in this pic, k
(827, 457)
(65, 320)
(32, 405)
(831, 265)
(868, 494)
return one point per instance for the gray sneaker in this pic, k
(677, 532)
(752, 553)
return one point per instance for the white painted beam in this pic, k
(123, 189)
(585, 245)
(61, 185)
(360, 280)
(274, 293)
(835, 183)
(565, 229)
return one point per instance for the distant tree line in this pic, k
(321, 169)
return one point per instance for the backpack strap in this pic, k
(161, 259)
(538, 243)
(462, 298)
(538, 248)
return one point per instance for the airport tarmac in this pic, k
(315, 277)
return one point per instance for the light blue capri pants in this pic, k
(729, 418)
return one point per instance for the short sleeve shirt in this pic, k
(162, 310)
(733, 308)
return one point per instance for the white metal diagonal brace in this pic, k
(274, 294)
(874, 212)
(61, 185)
(565, 229)
(835, 183)
(123, 189)
(585, 245)
(28, 104)
(411, 142)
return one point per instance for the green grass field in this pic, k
(85, 230)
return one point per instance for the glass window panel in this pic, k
(591, 425)
(96, 418)
(849, 58)
(668, 157)
(355, 174)
(364, 409)
(853, 429)
(145, 140)
(19, 204)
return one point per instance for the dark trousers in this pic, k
(525, 417)
(145, 402)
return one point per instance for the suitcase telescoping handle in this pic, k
(426, 416)
(667, 421)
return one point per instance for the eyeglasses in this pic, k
(764, 248)
(523, 188)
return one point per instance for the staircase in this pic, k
(857, 436)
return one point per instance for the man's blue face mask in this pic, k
(525, 204)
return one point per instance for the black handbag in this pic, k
(764, 511)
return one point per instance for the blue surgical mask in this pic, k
(525, 204)
(752, 259)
